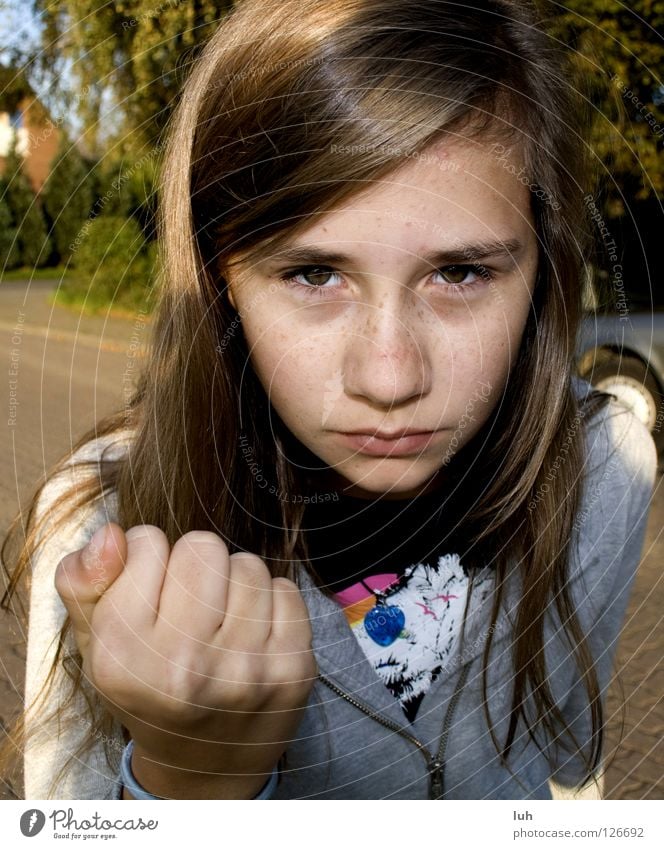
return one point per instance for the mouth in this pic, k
(383, 434)
(376, 445)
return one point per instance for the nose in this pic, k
(386, 358)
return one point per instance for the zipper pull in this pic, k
(435, 779)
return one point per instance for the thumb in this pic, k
(82, 577)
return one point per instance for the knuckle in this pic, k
(244, 670)
(238, 692)
(285, 584)
(196, 545)
(290, 594)
(146, 541)
(183, 685)
(292, 604)
(250, 575)
(201, 538)
(236, 696)
(284, 670)
(141, 532)
(247, 560)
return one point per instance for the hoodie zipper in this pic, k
(435, 764)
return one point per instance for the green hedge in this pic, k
(112, 266)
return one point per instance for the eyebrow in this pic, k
(460, 253)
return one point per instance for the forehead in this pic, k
(452, 187)
(455, 191)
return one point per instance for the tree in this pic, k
(68, 195)
(9, 253)
(113, 265)
(618, 50)
(14, 88)
(34, 245)
(134, 52)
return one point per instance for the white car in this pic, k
(624, 355)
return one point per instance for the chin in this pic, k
(392, 489)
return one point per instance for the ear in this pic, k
(224, 279)
(229, 293)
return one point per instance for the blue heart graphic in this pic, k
(384, 623)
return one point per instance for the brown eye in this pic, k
(455, 274)
(315, 277)
(310, 277)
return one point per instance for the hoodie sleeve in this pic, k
(610, 528)
(51, 741)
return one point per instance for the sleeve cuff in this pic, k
(126, 779)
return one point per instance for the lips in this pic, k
(371, 443)
(396, 434)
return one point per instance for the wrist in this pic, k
(144, 778)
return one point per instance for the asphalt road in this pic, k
(68, 371)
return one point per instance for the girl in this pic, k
(361, 532)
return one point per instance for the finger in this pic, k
(135, 596)
(194, 593)
(291, 627)
(83, 576)
(248, 620)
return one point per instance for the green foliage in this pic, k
(112, 265)
(68, 196)
(135, 54)
(9, 254)
(129, 188)
(618, 51)
(136, 50)
(27, 218)
(14, 88)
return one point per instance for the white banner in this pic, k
(321, 824)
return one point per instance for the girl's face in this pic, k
(404, 309)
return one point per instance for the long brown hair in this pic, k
(252, 154)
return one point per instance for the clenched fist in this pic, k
(203, 656)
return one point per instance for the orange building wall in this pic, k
(41, 140)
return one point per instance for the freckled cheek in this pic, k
(507, 350)
(266, 344)
(272, 362)
(482, 351)
(289, 365)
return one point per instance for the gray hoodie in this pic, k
(354, 741)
